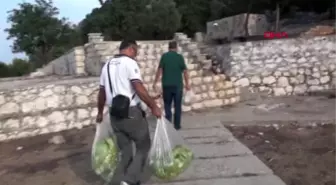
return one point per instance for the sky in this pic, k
(74, 10)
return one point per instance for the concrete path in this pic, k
(220, 159)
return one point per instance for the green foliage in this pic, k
(163, 19)
(4, 70)
(38, 32)
(195, 14)
(18, 67)
(135, 19)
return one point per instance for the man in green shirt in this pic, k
(171, 67)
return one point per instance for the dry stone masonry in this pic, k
(48, 104)
(29, 110)
(281, 67)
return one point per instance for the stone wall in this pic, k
(43, 108)
(281, 67)
(97, 53)
(37, 106)
(71, 63)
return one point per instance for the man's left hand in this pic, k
(154, 86)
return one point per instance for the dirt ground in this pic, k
(298, 154)
(36, 162)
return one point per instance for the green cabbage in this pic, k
(182, 158)
(105, 158)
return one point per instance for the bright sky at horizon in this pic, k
(74, 10)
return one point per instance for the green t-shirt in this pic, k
(172, 65)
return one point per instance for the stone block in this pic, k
(215, 130)
(196, 81)
(224, 167)
(213, 103)
(197, 106)
(256, 180)
(221, 148)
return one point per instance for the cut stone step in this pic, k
(223, 167)
(205, 140)
(222, 149)
(206, 132)
(212, 103)
(254, 180)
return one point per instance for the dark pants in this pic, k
(135, 129)
(170, 94)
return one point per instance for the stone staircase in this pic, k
(210, 90)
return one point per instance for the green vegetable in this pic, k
(105, 158)
(182, 158)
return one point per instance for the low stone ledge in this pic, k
(35, 100)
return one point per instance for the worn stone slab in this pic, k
(197, 121)
(206, 140)
(206, 132)
(220, 132)
(194, 121)
(219, 150)
(223, 167)
(200, 135)
(255, 180)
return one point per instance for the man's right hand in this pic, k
(156, 111)
(99, 117)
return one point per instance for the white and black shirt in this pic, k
(123, 70)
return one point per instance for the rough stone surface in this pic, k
(219, 149)
(231, 166)
(258, 180)
(280, 67)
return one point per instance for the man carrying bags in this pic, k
(121, 88)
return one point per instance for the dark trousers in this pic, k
(134, 129)
(173, 94)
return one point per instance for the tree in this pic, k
(4, 70)
(141, 20)
(18, 67)
(38, 32)
(101, 2)
(163, 19)
(194, 14)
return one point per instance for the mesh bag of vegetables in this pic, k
(104, 153)
(168, 157)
